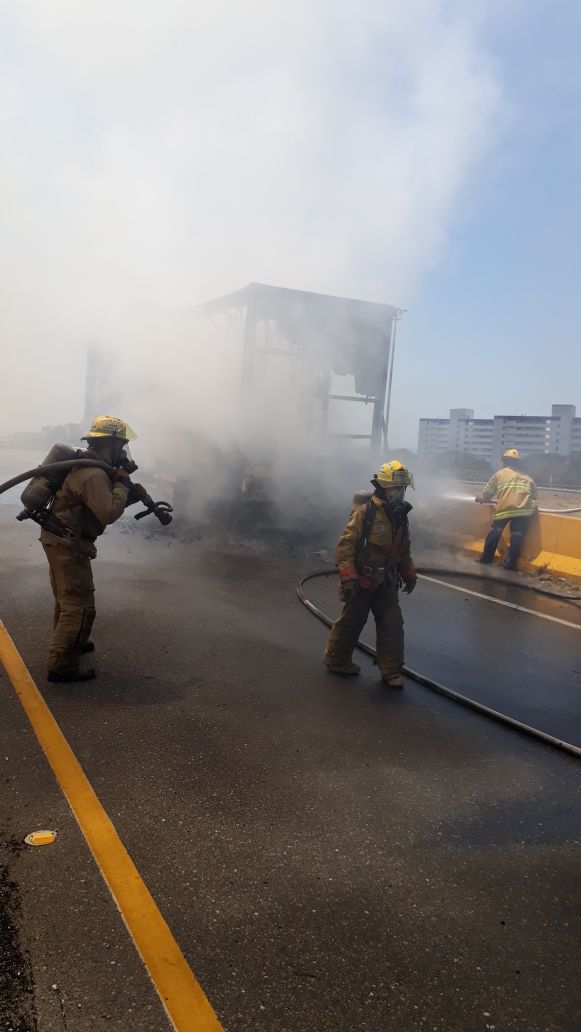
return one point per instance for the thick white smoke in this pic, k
(155, 155)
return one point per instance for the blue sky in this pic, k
(496, 325)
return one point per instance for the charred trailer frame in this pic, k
(327, 335)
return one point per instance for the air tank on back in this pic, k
(39, 490)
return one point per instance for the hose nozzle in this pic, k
(162, 510)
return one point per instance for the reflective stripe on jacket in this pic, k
(513, 491)
(385, 546)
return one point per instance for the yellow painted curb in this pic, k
(552, 543)
(562, 565)
(181, 995)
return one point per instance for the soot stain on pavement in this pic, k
(17, 1009)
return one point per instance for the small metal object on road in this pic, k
(40, 838)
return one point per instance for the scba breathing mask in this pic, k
(395, 502)
(394, 494)
(126, 460)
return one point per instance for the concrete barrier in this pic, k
(552, 543)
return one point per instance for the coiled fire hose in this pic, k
(439, 571)
(162, 510)
(435, 571)
(428, 682)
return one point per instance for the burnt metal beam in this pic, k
(351, 397)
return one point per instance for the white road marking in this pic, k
(500, 602)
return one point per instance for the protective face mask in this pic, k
(126, 460)
(395, 494)
(396, 505)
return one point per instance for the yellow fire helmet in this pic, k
(109, 426)
(511, 453)
(394, 474)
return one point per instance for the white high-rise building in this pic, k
(434, 436)
(559, 433)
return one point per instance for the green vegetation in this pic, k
(63, 433)
(465, 466)
(554, 470)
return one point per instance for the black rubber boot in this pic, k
(72, 675)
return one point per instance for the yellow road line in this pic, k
(183, 998)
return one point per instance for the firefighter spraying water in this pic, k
(515, 494)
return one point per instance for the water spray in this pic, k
(457, 497)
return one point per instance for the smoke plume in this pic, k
(156, 155)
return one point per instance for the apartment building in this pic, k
(489, 438)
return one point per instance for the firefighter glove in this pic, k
(348, 588)
(409, 584)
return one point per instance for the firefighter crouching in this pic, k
(373, 558)
(515, 494)
(87, 502)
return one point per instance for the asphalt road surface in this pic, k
(525, 664)
(329, 855)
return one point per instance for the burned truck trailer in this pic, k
(312, 338)
(314, 375)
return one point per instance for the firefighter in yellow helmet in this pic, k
(86, 503)
(374, 561)
(514, 493)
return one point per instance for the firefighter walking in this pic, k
(373, 558)
(514, 493)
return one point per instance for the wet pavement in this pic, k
(329, 855)
(515, 662)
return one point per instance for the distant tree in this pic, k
(409, 458)
(26, 439)
(570, 475)
(546, 469)
(63, 433)
(464, 466)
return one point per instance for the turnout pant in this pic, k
(518, 526)
(383, 602)
(71, 580)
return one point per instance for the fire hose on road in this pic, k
(466, 574)
(441, 689)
